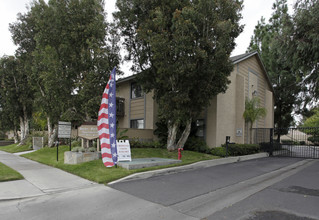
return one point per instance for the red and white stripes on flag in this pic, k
(107, 123)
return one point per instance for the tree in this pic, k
(303, 44)
(181, 51)
(66, 44)
(16, 96)
(311, 125)
(313, 120)
(253, 112)
(271, 40)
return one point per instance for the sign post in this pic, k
(64, 131)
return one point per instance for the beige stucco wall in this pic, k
(211, 122)
(240, 108)
(269, 103)
(225, 115)
(226, 112)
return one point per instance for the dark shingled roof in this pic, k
(240, 57)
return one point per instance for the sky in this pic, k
(252, 12)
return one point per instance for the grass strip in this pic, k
(8, 174)
(97, 172)
(15, 148)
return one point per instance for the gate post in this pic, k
(271, 147)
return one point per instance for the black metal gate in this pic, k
(288, 142)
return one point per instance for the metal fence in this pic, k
(288, 142)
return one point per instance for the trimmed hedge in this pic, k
(196, 144)
(236, 150)
(134, 143)
(219, 151)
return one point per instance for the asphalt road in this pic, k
(294, 198)
(269, 188)
(260, 189)
(171, 189)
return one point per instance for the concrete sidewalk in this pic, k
(39, 179)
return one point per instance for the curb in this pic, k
(197, 165)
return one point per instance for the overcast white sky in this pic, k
(252, 12)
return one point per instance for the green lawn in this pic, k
(14, 148)
(97, 172)
(8, 174)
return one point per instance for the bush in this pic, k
(196, 144)
(287, 142)
(91, 149)
(242, 149)
(134, 143)
(76, 143)
(219, 151)
(314, 139)
(78, 149)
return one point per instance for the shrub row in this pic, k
(265, 146)
(134, 143)
(236, 150)
(197, 144)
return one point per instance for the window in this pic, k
(137, 123)
(120, 106)
(200, 126)
(136, 91)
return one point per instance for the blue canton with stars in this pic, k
(112, 116)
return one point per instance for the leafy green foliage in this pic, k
(239, 149)
(181, 50)
(78, 149)
(312, 121)
(252, 110)
(65, 52)
(197, 144)
(303, 44)
(219, 151)
(312, 124)
(271, 41)
(16, 95)
(134, 143)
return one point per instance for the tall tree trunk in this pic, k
(171, 139)
(24, 127)
(51, 133)
(22, 131)
(15, 135)
(181, 142)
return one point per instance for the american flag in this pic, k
(107, 123)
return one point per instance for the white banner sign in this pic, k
(64, 129)
(123, 150)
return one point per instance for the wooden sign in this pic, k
(89, 132)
